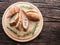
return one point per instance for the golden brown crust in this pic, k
(18, 26)
(13, 23)
(19, 23)
(13, 10)
(32, 15)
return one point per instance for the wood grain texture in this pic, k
(50, 34)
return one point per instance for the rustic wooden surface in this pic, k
(50, 34)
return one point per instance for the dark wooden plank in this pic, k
(54, 43)
(3, 6)
(48, 5)
(4, 0)
(50, 14)
(43, 1)
(13, 1)
(33, 44)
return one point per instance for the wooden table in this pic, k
(50, 34)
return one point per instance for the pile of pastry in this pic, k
(19, 17)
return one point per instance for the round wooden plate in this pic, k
(37, 32)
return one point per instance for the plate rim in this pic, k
(14, 38)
